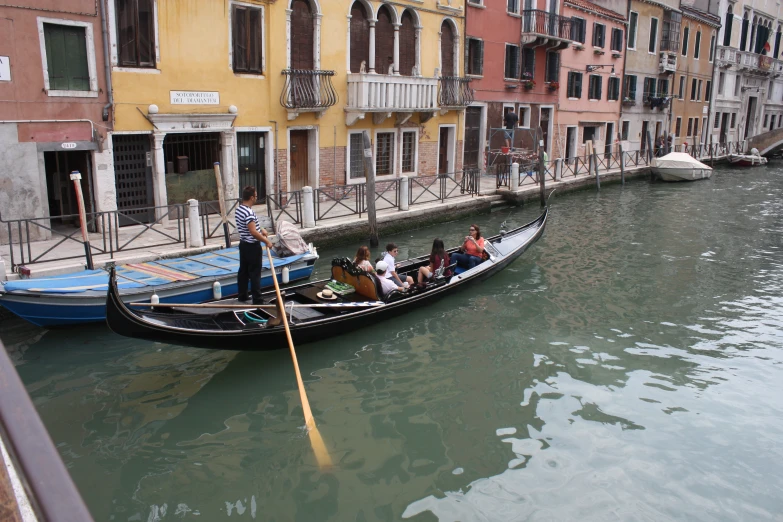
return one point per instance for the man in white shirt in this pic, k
(387, 284)
(391, 273)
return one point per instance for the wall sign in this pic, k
(5, 69)
(68, 145)
(194, 97)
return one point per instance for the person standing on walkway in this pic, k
(510, 120)
(251, 235)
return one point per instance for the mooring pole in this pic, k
(541, 174)
(594, 160)
(222, 204)
(76, 177)
(369, 174)
(622, 165)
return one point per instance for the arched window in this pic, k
(753, 26)
(777, 44)
(302, 27)
(407, 44)
(697, 45)
(360, 38)
(384, 41)
(727, 27)
(446, 49)
(744, 36)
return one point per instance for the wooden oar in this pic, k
(365, 304)
(319, 448)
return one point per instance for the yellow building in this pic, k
(693, 78)
(246, 82)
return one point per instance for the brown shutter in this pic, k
(384, 41)
(239, 35)
(126, 32)
(447, 49)
(360, 38)
(254, 41)
(302, 36)
(146, 33)
(407, 45)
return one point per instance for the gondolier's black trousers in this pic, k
(249, 267)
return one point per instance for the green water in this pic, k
(628, 367)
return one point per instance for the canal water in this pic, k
(628, 367)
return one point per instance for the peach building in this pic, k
(590, 80)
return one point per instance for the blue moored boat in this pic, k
(80, 297)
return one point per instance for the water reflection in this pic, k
(627, 367)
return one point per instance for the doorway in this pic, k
(300, 159)
(570, 151)
(63, 205)
(133, 178)
(445, 150)
(472, 153)
(251, 161)
(544, 122)
(643, 137)
(608, 140)
(751, 115)
(724, 124)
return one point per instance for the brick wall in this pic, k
(459, 153)
(428, 158)
(331, 167)
(282, 163)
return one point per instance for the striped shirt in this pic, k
(245, 215)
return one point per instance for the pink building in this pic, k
(590, 80)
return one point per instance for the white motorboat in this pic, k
(754, 159)
(679, 166)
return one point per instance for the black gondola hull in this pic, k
(179, 328)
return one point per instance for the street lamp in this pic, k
(591, 68)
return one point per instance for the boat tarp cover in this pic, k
(679, 160)
(165, 271)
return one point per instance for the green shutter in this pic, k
(66, 58)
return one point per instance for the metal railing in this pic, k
(48, 485)
(444, 186)
(209, 211)
(305, 89)
(454, 91)
(23, 233)
(285, 204)
(535, 21)
(338, 201)
(387, 195)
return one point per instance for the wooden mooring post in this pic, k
(594, 163)
(369, 173)
(76, 177)
(541, 174)
(622, 165)
(222, 204)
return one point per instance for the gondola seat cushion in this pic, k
(366, 285)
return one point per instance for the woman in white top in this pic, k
(362, 259)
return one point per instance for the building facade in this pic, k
(280, 93)
(54, 112)
(513, 57)
(747, 76)
(591, 71)
(652, 49)
(690, 106)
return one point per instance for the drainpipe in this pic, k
(106, 61)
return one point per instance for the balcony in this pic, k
(541, 27)
(307, 91)
(667, 63)
(454, 92)
(384, 94)
(748, 62)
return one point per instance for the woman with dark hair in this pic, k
(362, 259)
(471, 250)
(438, 258)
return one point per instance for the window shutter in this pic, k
(599, 84)
(578, 85)
(481, 57)
(582, 31)
(570, 86)
(240, 38)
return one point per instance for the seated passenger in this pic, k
(438, 258)
(471, 250)
(387, 284)
(391, 273)
(362, 259)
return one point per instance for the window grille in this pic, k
(408, 151)
(384, 154)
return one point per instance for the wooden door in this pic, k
(299, 160)
(443, 151)
(302, 37)
(250, 160)
(447, 49)
(545, 115)
(472, 154)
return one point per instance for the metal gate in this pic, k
(472, 153)
(133, 178)
(251, 160)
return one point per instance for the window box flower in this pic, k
(528, 84)
(616, 54)
(579, 47)
(598, 51)
(629, 102)
(553, 86)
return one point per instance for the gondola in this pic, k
(311, 317)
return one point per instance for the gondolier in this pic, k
(251, 235)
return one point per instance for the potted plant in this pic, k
(529, 84)
(553, 86)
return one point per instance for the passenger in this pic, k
(438, 258)
(471, 250)
(362, 259)
(391, 253)
(387, 284)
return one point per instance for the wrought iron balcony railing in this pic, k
(454, 91)
(308, 90)
(669, 45)
(543, 23)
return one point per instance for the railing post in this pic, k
(194, 223)
(308, 209)
(76, 177)
(513, 182)
(622, 165)
(3, 276)
(404, 201)
(541, 174)
(558, 169)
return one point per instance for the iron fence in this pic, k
(454, 91)
(338, 201)
(428, 189)
(387, 195)
(207, 209)
(285, 204)
(304, 89)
